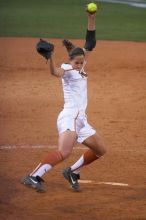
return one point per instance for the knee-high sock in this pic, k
(88, 157)
(50, 161)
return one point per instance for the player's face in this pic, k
(77, 62)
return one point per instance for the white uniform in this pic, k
(73, 117)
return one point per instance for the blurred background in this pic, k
(116, 20)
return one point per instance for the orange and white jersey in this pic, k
(74, 84)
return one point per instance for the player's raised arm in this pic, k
(46, 49)
(91, 32)
(56, 71)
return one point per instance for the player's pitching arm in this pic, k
(90, 34)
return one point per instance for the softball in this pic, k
(92, 7)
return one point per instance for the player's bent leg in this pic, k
(96, 149)
(66, 142)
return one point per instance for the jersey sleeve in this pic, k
(66, 67)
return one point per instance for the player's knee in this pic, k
(101, 150)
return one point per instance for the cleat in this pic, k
(72, 178)
(34, 182)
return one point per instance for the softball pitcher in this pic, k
(72, 121)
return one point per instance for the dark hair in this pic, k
(77, 51)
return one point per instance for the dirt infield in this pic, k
(30, 100)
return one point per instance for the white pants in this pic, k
(71, 120)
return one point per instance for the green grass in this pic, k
(67, 19)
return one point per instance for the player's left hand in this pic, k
(45, 48)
